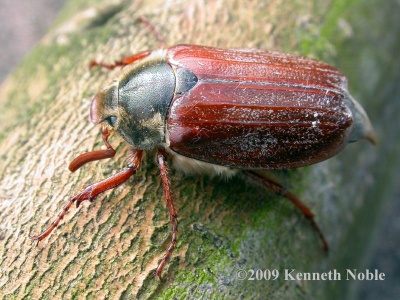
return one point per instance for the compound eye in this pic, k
(111, 120)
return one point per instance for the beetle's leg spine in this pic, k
(161, 157)
(93, 190)
(280, 190)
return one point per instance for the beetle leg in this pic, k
(161, 157)
(280, 190)
(122, 62)
(93, 190)
(94, 155)
(138, 56)
(145, 21)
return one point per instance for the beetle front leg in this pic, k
(138, 56)
(280, 190)
(122, 62)
(161, 157)
(93, 190)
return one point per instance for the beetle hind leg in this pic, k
(280, 190)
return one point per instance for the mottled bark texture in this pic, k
(110, 248)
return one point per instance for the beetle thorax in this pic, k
(136, 105)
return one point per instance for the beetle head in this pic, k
(136, 105)
(104, 105)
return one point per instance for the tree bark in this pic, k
(110, 248)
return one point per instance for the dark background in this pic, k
(24, 22)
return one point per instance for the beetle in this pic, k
(216, 111)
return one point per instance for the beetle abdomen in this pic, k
(258, 109)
